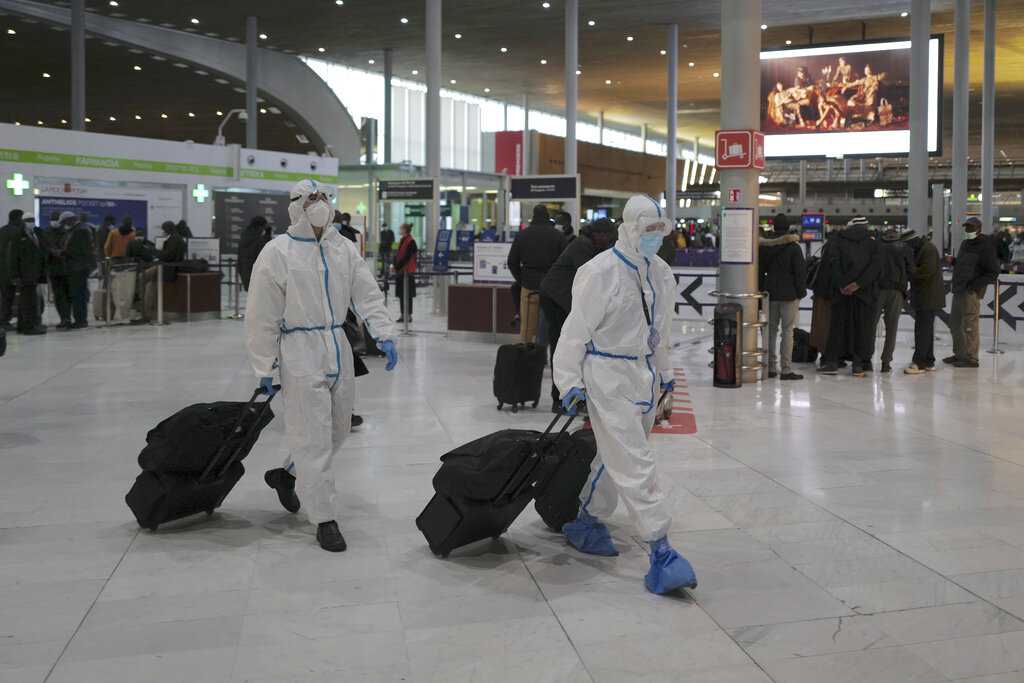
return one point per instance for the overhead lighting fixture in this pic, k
(263, 111)
(690, 64)
(113, 3)
(339, 2)
(591, 23)
(578, 72)
(63, 120)
(903, 14)
(629, 39)
(415, 72)
(194, 20)
(452, 81)
(715, 74)
(607, 82)
(504, 49)
(138, 118)
(764, 26)
(263, 36)
(11, 31)
(543, 61)
(163, 116)
(320, 49)
(220, 113)
(487, 90)
(113, 118)
(458, 36)
(46, 75)
(191, 115)
(546, 5)
(663, 52)
(371, 61)
(88, 120)
(39, 123)
(137, 67)
(404, 20)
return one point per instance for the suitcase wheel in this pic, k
(515, 407)
(535, 403)
(499, 406)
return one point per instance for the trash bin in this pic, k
(728, 355)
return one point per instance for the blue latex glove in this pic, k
(574, 393)
(388, 347)
(267, 383)
(668, 386)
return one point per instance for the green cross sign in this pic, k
(200, 193)
(361, 208)
(17, 184)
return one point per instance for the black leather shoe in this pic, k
(329, 537)
(284, 483)
(772, 375)
(39, 329)
(64, 325)
(790, 376)
(951, 359)
(965, 363)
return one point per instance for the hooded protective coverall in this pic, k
(298, 295)
(604, 348)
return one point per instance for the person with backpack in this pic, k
(784, 276)
(897, 261)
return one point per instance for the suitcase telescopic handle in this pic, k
(234, 430)
(575, 402)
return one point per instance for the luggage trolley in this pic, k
(759, 355)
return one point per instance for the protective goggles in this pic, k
(656, 226)
(313, 197)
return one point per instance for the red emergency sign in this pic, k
(739, 149)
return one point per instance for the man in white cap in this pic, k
(614, 345)
(302, 284)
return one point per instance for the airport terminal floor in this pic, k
(842, 529)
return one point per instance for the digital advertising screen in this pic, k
(813, 225)
(845, 99)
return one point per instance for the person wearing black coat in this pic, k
(854, 265)
(251, 243)
(15, 226)
(784, 276)
(556, 287)
(897, 262)
(534, 250)
(72, 256)
(102, 233)
(26, 263)
(976, 267)
(927, 297)
(175, 250)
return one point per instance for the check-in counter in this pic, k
(481, 313)
(193, 296)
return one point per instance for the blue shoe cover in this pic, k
(588, 535)
(669, 569)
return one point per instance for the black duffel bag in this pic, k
(803, 352)
(479, 470)
(185, 442)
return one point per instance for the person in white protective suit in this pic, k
(302, 284)
(613, 353)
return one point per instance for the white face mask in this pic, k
(970, 235)
(319, 214)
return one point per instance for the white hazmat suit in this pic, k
(298, 296)
(605, 349)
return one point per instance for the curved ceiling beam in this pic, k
(284, 79)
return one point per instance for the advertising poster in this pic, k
(96, 208)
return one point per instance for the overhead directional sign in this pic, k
(421, 189)
(543, 187)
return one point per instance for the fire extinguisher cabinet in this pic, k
(727, 364)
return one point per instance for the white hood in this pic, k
(301, 227)
(639, 213)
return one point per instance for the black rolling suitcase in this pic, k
(192, 459)
(519, 370)
(559, 502)
(482, 486)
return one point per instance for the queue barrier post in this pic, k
(159, 294)
(995, 325)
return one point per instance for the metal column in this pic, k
(572, 58)
(988, 118)
(917, 185)
(671, 121)
(741, 74)
(643, 138)
(600, 127)
(433, 130)
(527, 167)
(252, 36)
(938, 215)
(388, 72)
(961, 82)
(803, 184)
(77, 64)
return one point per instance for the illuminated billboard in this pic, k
(845, 99)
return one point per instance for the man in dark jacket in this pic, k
(387, 243)
(102, 233)
(563, 222)
(26, 262)
(253, 239)
(344, 223)
(174, 251)
(897, 262)
(927, 296)
(855, 262)
(556, 287)
(72, 255)
(784, 276)
(8, 234)
(976, 267)
(534, 250)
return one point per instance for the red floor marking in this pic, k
(682, 420)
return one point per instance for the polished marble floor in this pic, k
(842, 529)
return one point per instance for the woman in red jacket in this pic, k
(405, 267)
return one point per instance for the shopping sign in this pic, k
(739, 149)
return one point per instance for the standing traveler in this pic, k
(77, 254)
(174, 251)
(563, 222)
(614, 346)
(534, 250)
(927, 297)
(301, 285)
(57, 266)
(26, 262)
(343, 221)
(854, 264)
(102, 233)
(250, 244)
(182, 229)
(975, 268)
(118, 240)
(897, 261)
(556, 287)
(386, 243)
(15, 226)
(405, 271)
(784, 277)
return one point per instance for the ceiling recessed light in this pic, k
(764, 26)
(138, 118)
(504, 49)
(415, 72)
(88, 120)
(663, 52)
(263, 111)
(339, 2)
(191, 115)
(578, 72)
(789, 42)
(452, 81)
(371, 61)
(263, 36)
(113, 3)
(320, 49)
(903, 14)
(487, 90)
(137, 67)
(690, 64)
(629, 39)
(46, 75)
(404, 20)
(545, 5)
(194, 20)
(591, 23)
(163, 116)
(113, 118)
(607, 82)
(715, 74)
(458, 36)
(11, 31)
(39, 123)
(543, 61)
(220, 113)
(65, 121)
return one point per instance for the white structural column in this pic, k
(961, 77)
(388, 73)
(77, 64)
(741, 74)
(671, 119)
(917, 182)
(988, 117)
(527, 166)
(643, 138)
(433, 131)
(251, 81)
(600, 127)
(572, 59)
